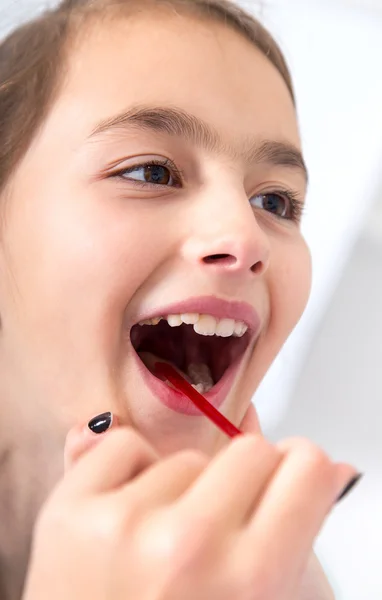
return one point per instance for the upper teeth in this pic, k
(203, 324)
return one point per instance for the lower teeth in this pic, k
(199, 387)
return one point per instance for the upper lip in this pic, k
(209, 305)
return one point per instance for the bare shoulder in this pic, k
(315, 585)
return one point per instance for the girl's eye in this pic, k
(150, 173)
(274, 203)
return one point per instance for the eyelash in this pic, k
(293, 199)
(176, 173)
(297, 207)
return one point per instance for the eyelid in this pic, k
(296, 203)
(294, 198)
(176, 172)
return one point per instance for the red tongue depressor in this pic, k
(168, 372)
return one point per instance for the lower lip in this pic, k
(177, 401)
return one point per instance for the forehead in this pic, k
(201, 67)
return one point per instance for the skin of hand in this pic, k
(127, 523)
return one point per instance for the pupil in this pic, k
(157, 174)
(274, 203)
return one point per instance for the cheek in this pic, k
(290, 283)
(81, 244)
(77, 261)
(287, 287)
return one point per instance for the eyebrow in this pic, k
(179, 123)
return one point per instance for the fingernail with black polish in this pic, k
(349, 486)
(101, 423)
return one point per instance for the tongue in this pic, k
(149, 359)
(198, 374)
(201, 376)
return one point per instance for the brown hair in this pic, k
(33, 60)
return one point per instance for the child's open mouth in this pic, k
(205, 349)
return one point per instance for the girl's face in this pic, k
(165, 181)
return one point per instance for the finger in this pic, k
(250, 422)
(294, 506)
(83, 437)
(122, 455)
(168, 479)
(344, 471)
(226, 491)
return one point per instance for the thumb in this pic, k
(82, 438)
(250, 422)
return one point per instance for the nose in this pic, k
(228, 238)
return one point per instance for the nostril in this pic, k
(225, 259)
(257, 267)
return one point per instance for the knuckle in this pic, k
(108, 525)
(318, 460)
(193, 459)
(254, 445)
(125, 436)
(188, 540)
(127, 442)
(53, 519)
(161, 540)
(314, 457)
